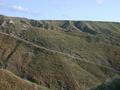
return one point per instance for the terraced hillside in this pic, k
(60, 55)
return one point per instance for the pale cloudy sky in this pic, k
(100, 10)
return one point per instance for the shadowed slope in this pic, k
(109, 85)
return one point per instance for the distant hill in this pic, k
(60, 55)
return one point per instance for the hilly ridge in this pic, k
(60, 55)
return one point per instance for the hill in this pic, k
(60, 55)
(9, 81)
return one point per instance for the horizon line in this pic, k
(87, 20)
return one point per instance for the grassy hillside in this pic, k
(60, 55)
(9, 81)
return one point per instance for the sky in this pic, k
(95, 10)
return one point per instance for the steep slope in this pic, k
(9, 81)
(60, 55)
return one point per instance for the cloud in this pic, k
(20, 9)
(1, 3)
(17, 8)
(100, 1)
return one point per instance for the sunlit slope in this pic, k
(9, 81)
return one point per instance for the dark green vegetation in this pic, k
(111, 85)
(60, 55)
